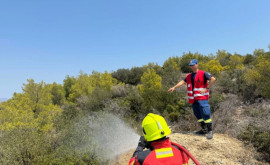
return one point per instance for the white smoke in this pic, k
(112, 135)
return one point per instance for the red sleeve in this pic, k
(133, 161)
(185, 158)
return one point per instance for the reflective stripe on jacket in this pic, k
(194, 94)
(163, 152)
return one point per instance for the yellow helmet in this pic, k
(155, 127)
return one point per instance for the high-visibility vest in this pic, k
(194, 94)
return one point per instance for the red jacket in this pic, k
(194, 94)
(163, 152)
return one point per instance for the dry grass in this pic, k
(222, 150)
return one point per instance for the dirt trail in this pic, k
(222, 150)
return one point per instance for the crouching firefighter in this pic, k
(160, 150)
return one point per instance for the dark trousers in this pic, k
(201, 110)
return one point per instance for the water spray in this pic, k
(112, 135)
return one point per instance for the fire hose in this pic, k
(186, 152)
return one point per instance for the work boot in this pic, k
(209, 130)
(203, 131)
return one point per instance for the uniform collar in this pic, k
(161, 144)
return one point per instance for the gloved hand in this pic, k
(142, 142)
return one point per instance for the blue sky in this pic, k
(47, 40)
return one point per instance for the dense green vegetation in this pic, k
(39, 125)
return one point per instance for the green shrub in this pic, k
(234, 82)
(174, 116)
(215, 100)
(94, 101)
(135, 100)
(260, 139)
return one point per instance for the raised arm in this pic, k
(182, 82)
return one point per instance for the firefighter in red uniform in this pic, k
(198, 95)
(160, 150)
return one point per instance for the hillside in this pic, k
(222, 150)
(92, 118)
